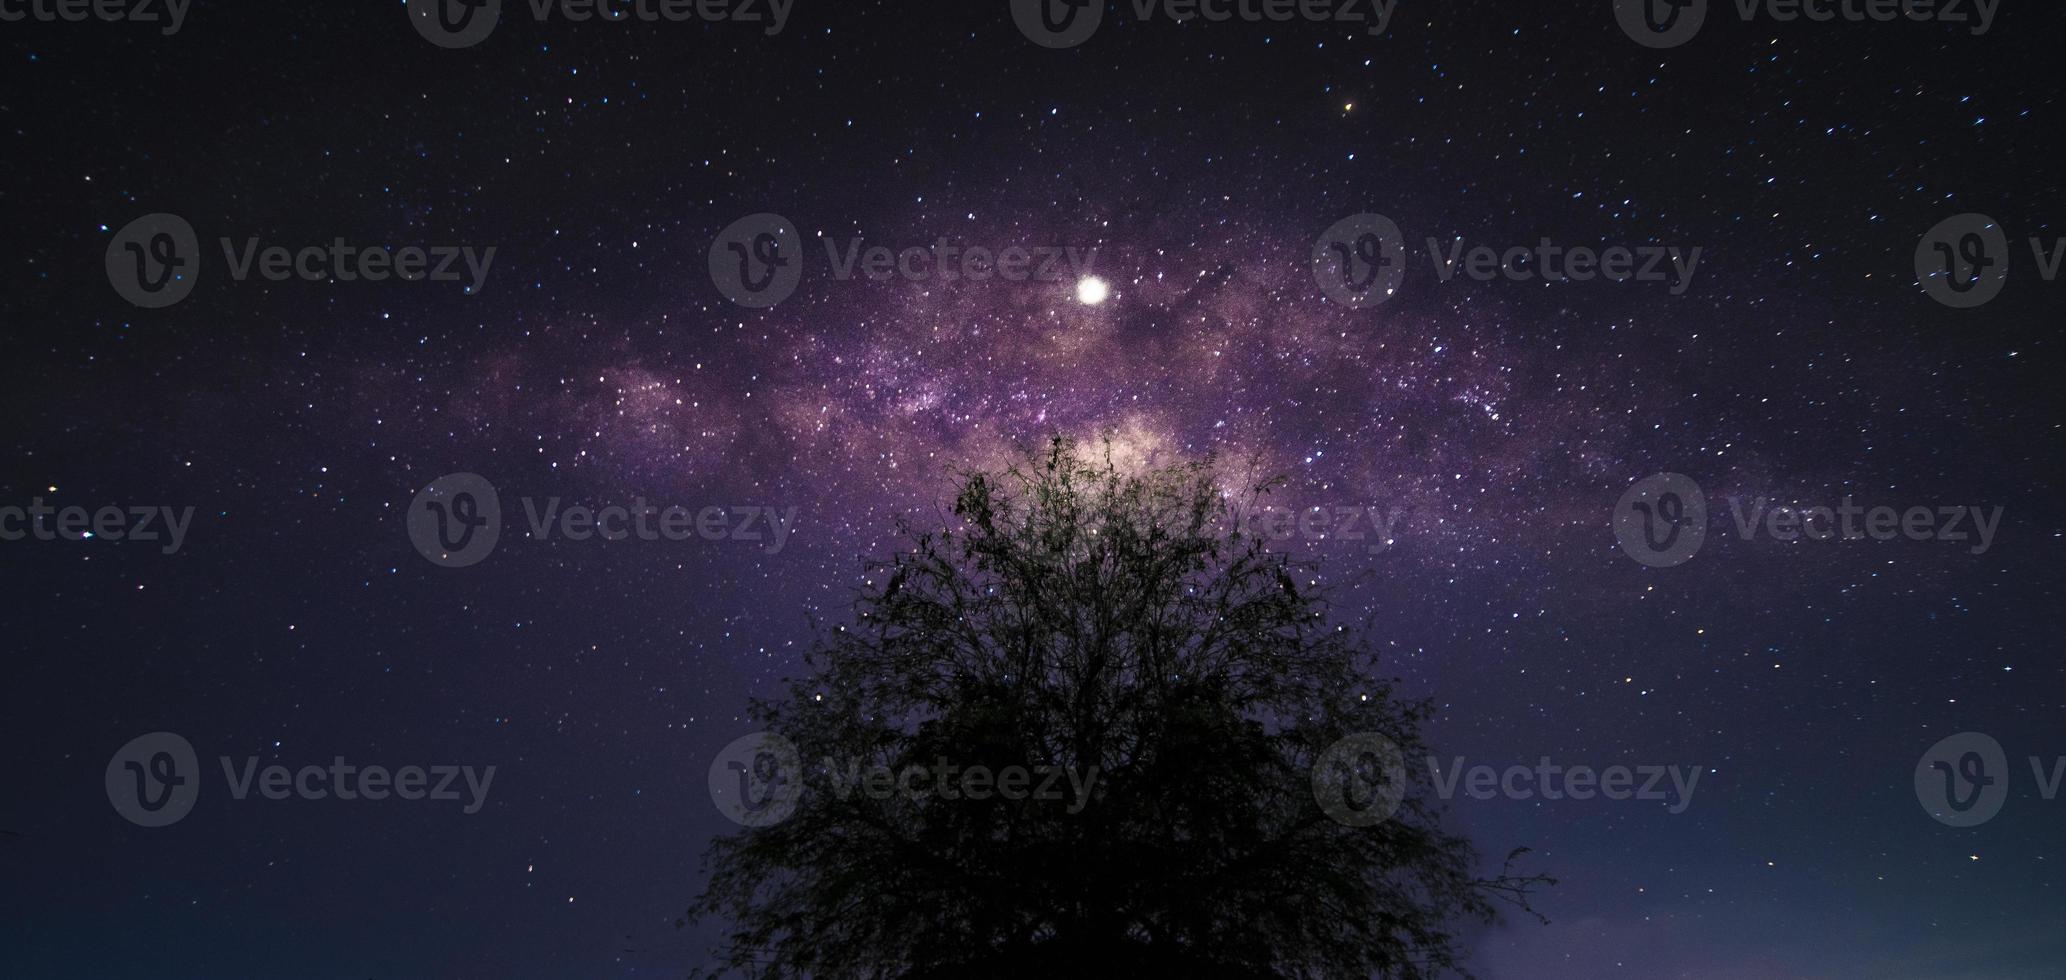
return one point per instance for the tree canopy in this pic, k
(1099, 620)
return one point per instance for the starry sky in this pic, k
(1197, 163)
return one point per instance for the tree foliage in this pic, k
(1074, 614)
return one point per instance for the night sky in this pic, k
(1194, 166)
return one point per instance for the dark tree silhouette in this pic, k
(1077, 615)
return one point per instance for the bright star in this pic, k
(1091, 291)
